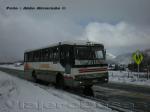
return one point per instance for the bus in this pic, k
(70, 64)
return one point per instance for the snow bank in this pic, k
(18, 95)
(12, 66)
(128, 78)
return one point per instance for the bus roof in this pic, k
(75, 42)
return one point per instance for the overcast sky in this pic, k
(121, 25)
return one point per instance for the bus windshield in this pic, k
(88, 55)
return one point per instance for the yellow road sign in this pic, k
(137, 57)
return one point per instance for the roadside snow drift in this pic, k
(128, 78)
(17, 95)
(12, 66)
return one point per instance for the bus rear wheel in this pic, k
(59, 81)
(34, 77)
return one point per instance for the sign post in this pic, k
(138, 57)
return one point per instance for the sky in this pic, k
(121, 25)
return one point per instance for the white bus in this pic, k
(72, 64)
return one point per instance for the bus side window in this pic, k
(30, 58)
(34, 56)
(50, 55)
(25, 57)
(37, 56)
(55, 55)
(45, 55)
(40, 57)
(62, 55)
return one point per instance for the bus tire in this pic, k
(88, 91)
(59, 81)
(34, 76)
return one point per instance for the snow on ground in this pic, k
(17, 95)
(129, 78)
(13, 66)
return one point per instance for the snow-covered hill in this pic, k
(8, 59)
(147, 51)
(124, 58)
(110, 56)
(120, 59)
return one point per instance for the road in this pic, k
(124, 96)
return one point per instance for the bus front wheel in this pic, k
(88, 91)
(59, 81)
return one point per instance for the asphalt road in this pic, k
(124, 98)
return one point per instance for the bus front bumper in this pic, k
(88, 81)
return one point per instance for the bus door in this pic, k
(66, 58)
